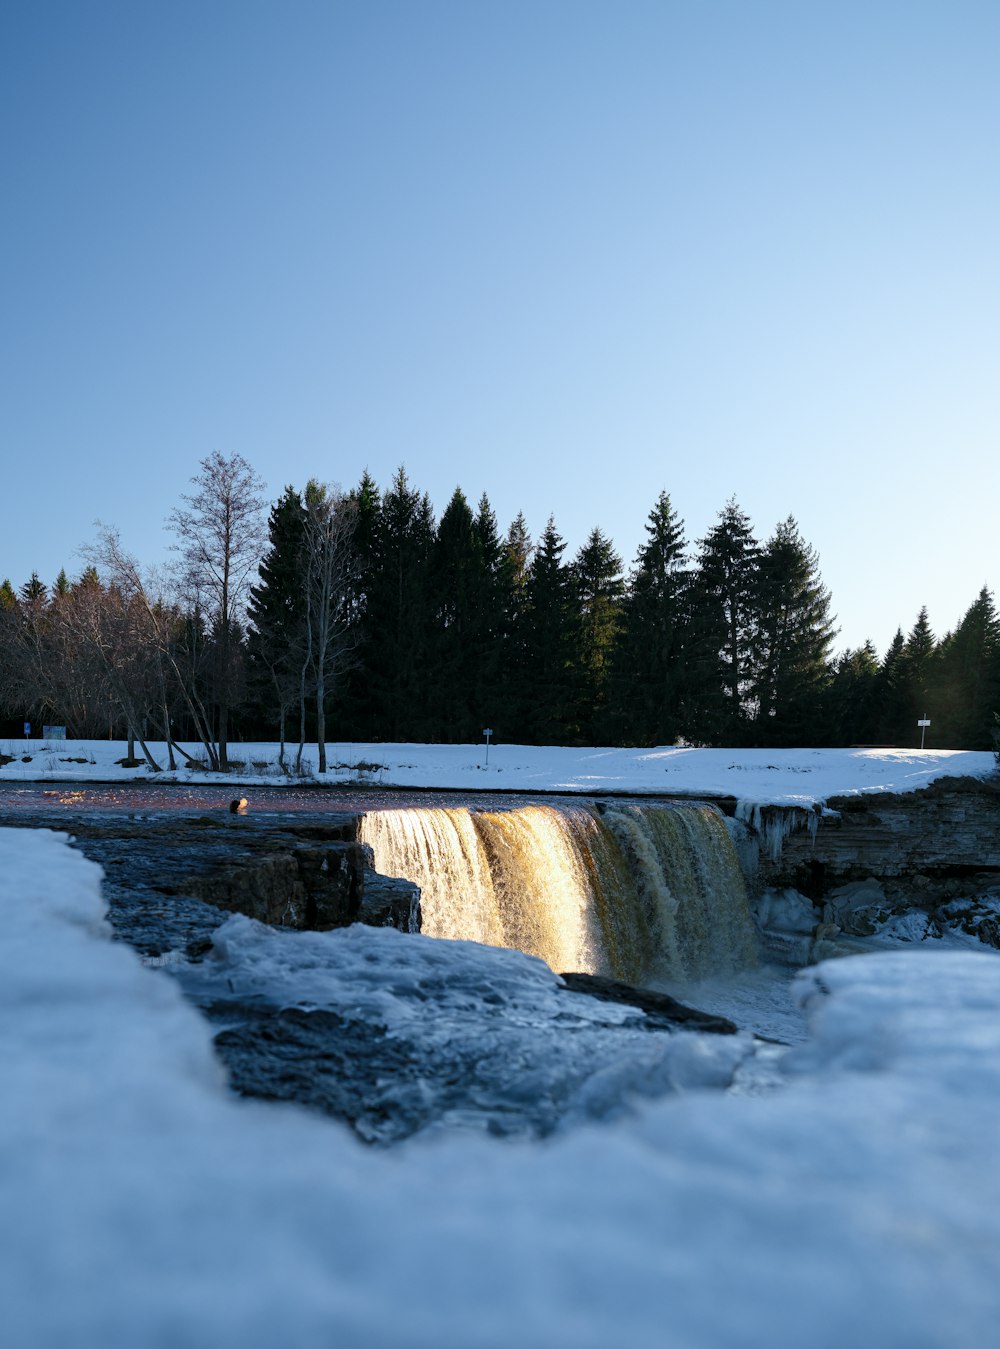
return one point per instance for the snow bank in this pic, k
(145, 1207)
(799, 777)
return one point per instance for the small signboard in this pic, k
(924, 721)
(54, 732)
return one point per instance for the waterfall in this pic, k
(634, 892)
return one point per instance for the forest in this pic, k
(360, 616)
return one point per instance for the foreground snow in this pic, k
(859, 1204)
(789, 777)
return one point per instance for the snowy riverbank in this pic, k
(759, 777)
(857, 1203)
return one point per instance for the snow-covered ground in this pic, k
(858, 1203)
(776, 776)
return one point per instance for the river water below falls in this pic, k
(642, 893)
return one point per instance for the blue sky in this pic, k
(569, 254)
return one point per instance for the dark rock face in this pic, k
(389, 901)
(314, 888)
(949, 828)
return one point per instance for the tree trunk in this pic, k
(223, 737)
(321, 717)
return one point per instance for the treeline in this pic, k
(362, 616)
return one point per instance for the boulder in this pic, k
(785, 910)
(859, 908)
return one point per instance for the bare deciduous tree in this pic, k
(328, 567)
(220, 541)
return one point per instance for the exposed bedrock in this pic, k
(950, 828)
(312, 888)
(909, 867)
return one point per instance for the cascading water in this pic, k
(631, 891)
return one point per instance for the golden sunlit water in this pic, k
(632, 891)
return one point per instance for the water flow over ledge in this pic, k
(635, 892)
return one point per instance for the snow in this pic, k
(529, 1058)
(788, 777)
(858, 1202)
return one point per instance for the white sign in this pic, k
(925, 722)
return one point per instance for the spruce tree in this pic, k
(400, 614)
(599, 587)
(915, 679)
(850, 708)
(794, 632)
(648, 690)
(965, 683)
(357, 703)
(34, 594)
(724, 629)
(455, 650)
(276, 614)
(549, 644)
(490, 602)
(888, 695)
(514, 697)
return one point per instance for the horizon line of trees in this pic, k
(362, 612)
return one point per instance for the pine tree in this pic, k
(724, 629)
(793, 638)
(648, 685)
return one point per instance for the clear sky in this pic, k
(567, 253)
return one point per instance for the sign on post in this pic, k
(923, 723)
(487, 731)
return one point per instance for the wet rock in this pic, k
(662, 1011)
(390, 901)
(328, 1062)
(313, 888)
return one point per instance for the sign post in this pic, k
(923, 723)
(487, 732)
